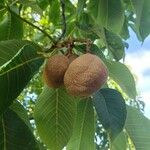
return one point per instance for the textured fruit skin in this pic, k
(54, 70)
(85, 75)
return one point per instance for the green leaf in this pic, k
(84, 128)
(15, 75)
(84, 22)
(125, 30)
(54, 13)
(1, 5)
(115, 45)
(111, 110)
(86, 26)
(11, 28)
(107, 13)
(70, 28)
(35, 5)
(97, 51)
(94, 50)
(27, 2)
(138, 128)
(9, 48)
(54, 117)
(70, 8)
(15, 134)
(2, 12)
(123, 77)
(142, 10)
(80, 6)
(42, 3)
(21, 112)
(2, 2)
(120, 142)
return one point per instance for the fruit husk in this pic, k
(85, 75)
(54, 71)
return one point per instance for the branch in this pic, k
(63, 19)
(29, 23)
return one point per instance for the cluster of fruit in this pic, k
(81, 76)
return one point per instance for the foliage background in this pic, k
(44, 23)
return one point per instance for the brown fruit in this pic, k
(54, 70)
(85, 75)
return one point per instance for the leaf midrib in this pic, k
(20, 65)
(3, 126)
(9, 25)
(140, 12)
(57, 95)
(110, 120)
(82, 124)
(107, 14)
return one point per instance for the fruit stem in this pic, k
(88, 45)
